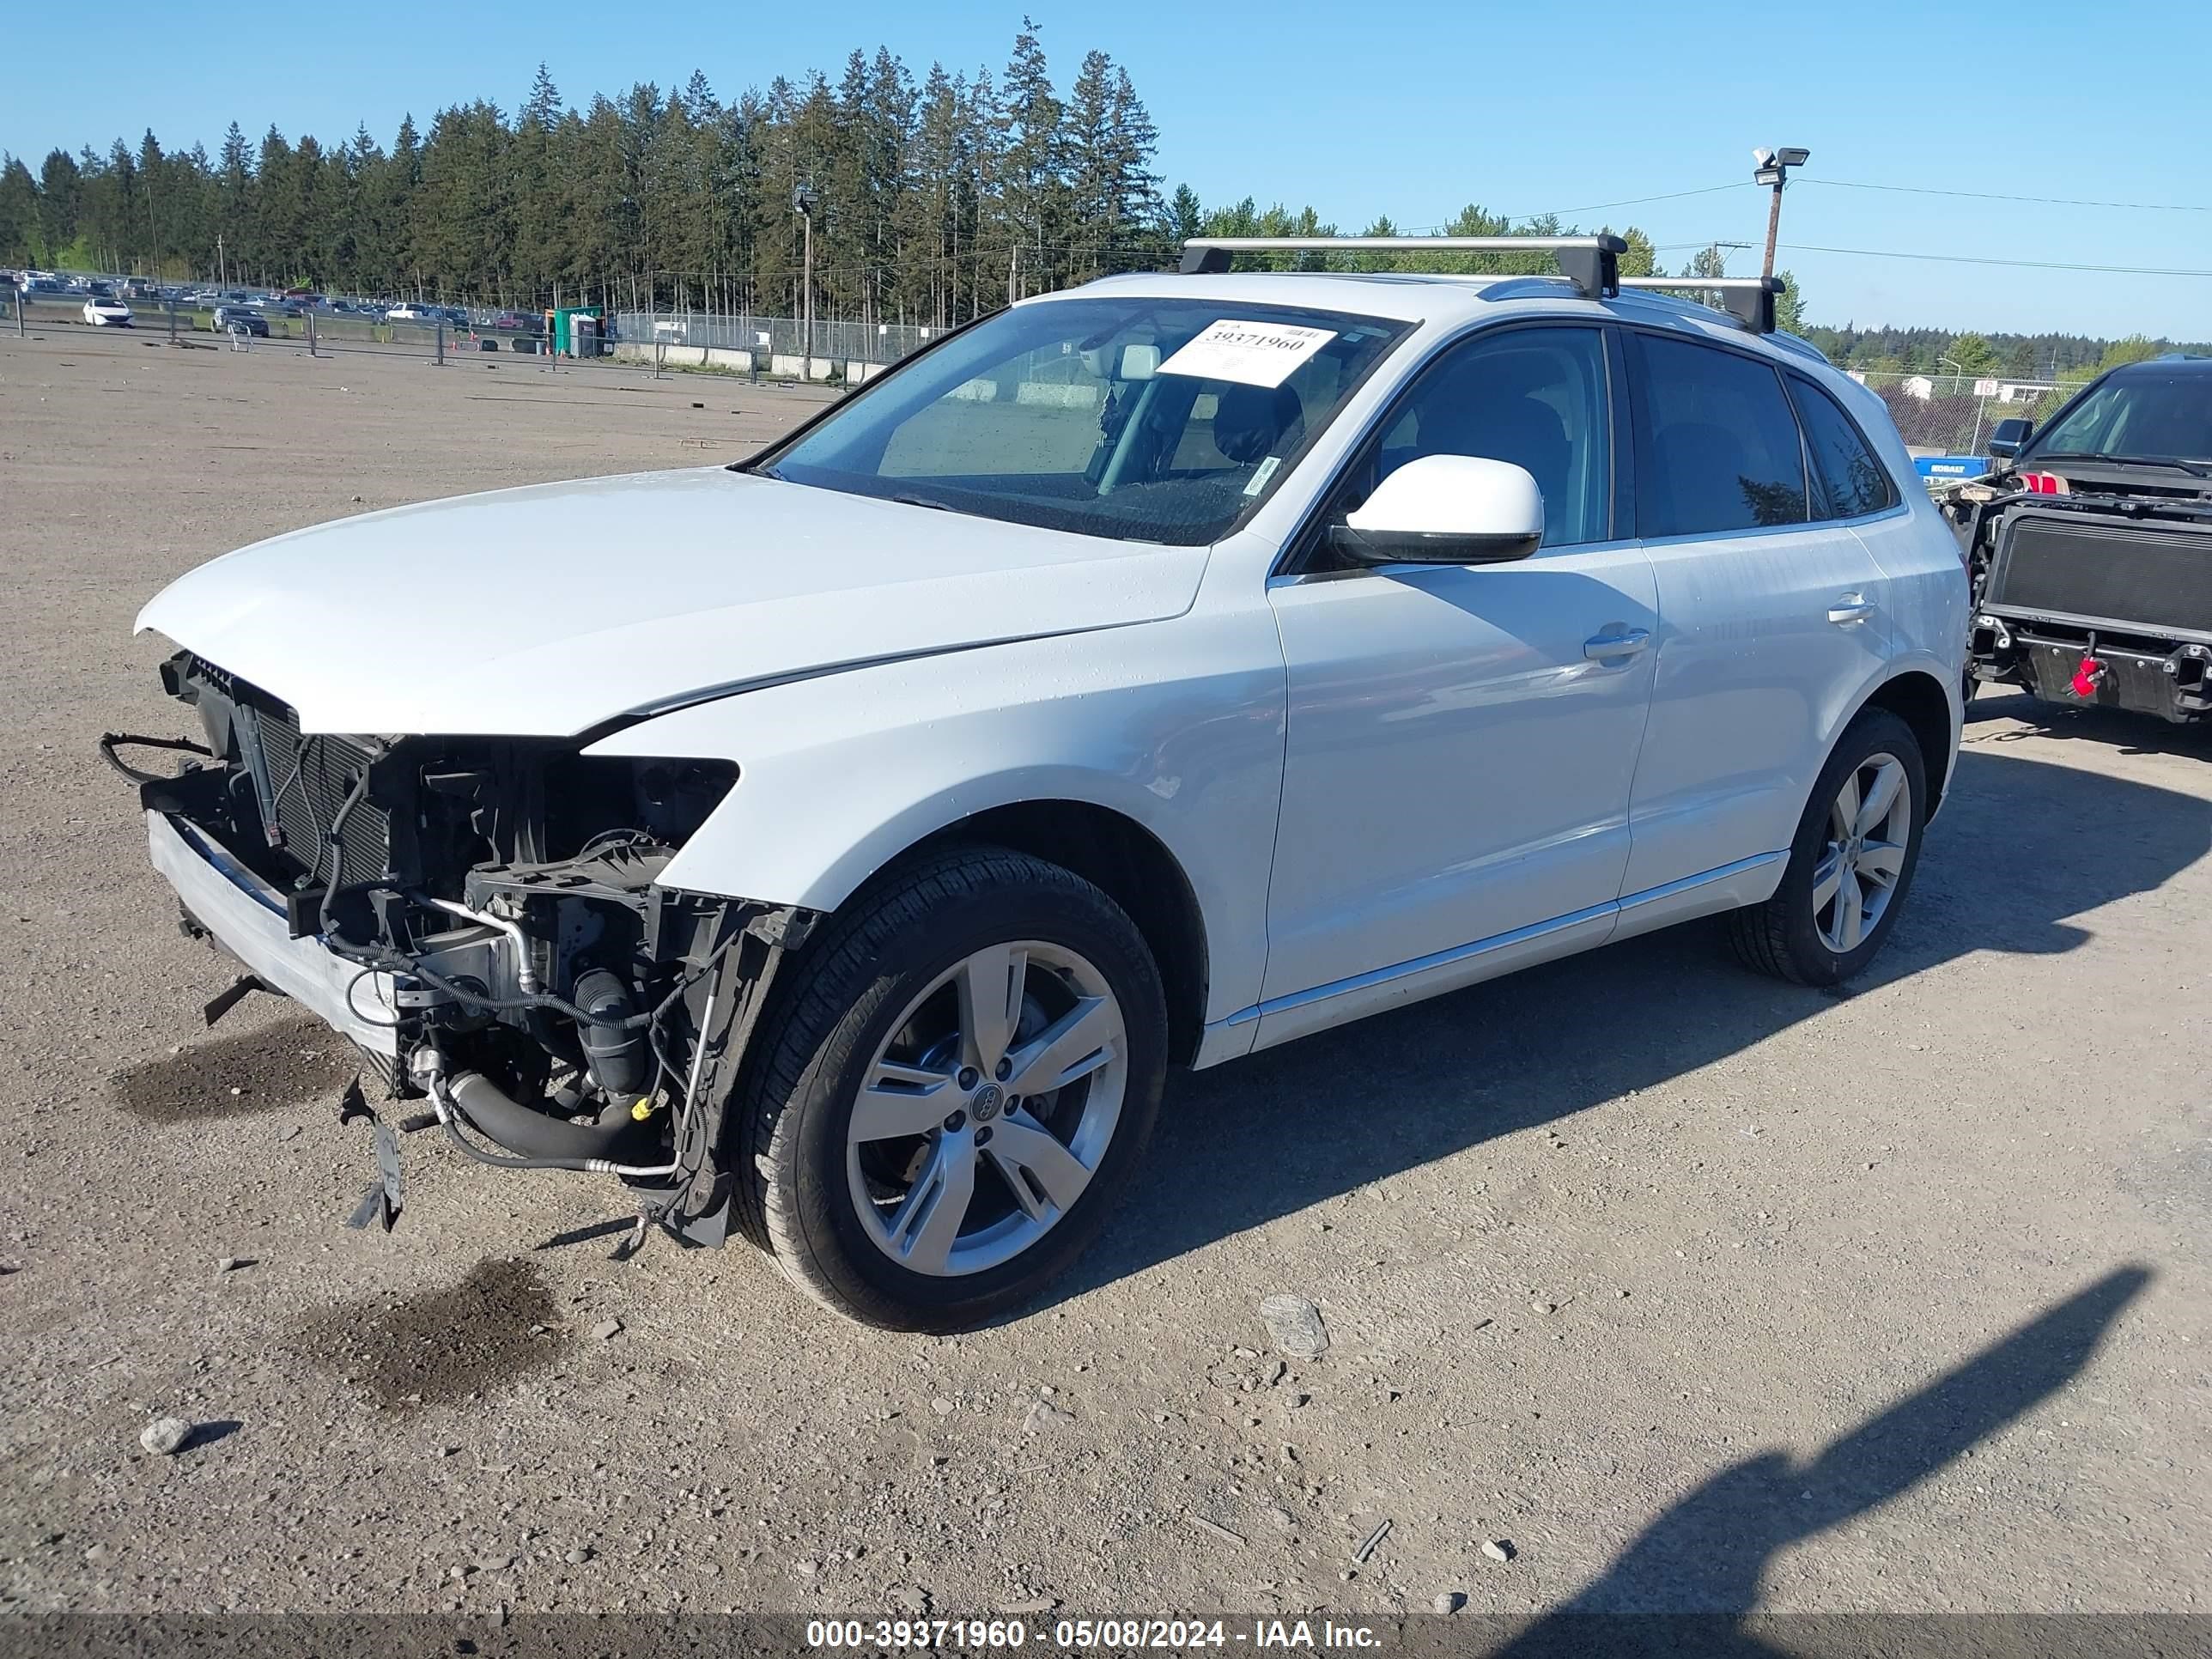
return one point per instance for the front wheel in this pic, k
(1852, 863)
(952, 1092)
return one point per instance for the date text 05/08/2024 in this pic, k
(1116, 1635)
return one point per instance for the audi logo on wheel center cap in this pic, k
(985, 1105)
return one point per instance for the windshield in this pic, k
(2150, 415)
(1143, 419)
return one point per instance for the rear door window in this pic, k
(1848, 481)
(1717, 445)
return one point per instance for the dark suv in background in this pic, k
(2091, 545)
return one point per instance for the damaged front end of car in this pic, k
(484, 917)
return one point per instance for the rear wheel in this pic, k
(1852, 863)
(952, 1096)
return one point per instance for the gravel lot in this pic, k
(1696, 1289)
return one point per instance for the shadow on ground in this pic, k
(2008, 867)
(2112, 728)
(1703, 1559)
(273, 1065)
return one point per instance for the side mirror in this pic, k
(1446, 509)
(2008, 438)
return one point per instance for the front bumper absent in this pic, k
(245, 915)
(2041, 657)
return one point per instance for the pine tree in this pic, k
(1033, 155)
(60, 187)
(542, 109)
(21, 242)
(1093, 182)
(1184, 217)
(1136, 188)
(1790, 309)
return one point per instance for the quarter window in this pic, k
(1717, 447)
(1848, 481)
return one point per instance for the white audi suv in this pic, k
(842, 847)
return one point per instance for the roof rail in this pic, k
(1749, 299)
(1592, 263)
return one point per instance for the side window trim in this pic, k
(1620, 433)
(1800, 386)
(1299, 552)
(1640, 424)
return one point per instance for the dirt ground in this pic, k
(1698, 1291)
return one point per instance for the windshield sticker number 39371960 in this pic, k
(1250, 354)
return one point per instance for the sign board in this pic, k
(1950, 466)
(1985, 388)
(1247, 353)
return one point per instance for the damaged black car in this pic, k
(2091, 546)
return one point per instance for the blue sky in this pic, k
(1412, 109)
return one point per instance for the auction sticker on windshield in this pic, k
(1250, 354)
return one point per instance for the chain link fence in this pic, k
(876, 344)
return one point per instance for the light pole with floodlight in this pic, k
(1772, 167)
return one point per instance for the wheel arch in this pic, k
(1128, 862)
(1922, 701)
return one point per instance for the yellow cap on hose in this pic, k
(642, 1110)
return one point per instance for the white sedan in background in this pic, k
(105, 311)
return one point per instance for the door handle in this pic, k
(1850, 610)
(1606, 647)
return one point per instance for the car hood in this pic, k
(551, 610)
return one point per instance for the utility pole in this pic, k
(803, 203)
(1772, 167)
(1014, 276)
(222, 277)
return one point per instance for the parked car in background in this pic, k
(523, 320)
(1309, 645)
(245, 319)
(105, 311)
(2091, 545)
(407, 312)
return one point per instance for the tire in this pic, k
(861, 1223)
(1787, 935)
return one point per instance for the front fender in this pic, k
(1176, 726)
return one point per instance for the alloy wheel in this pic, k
(985, 1113)
(1869, 828)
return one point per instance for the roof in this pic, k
(2174, 363)
(1444, 300)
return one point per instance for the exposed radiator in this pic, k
(2146, 578)
(309, 779)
